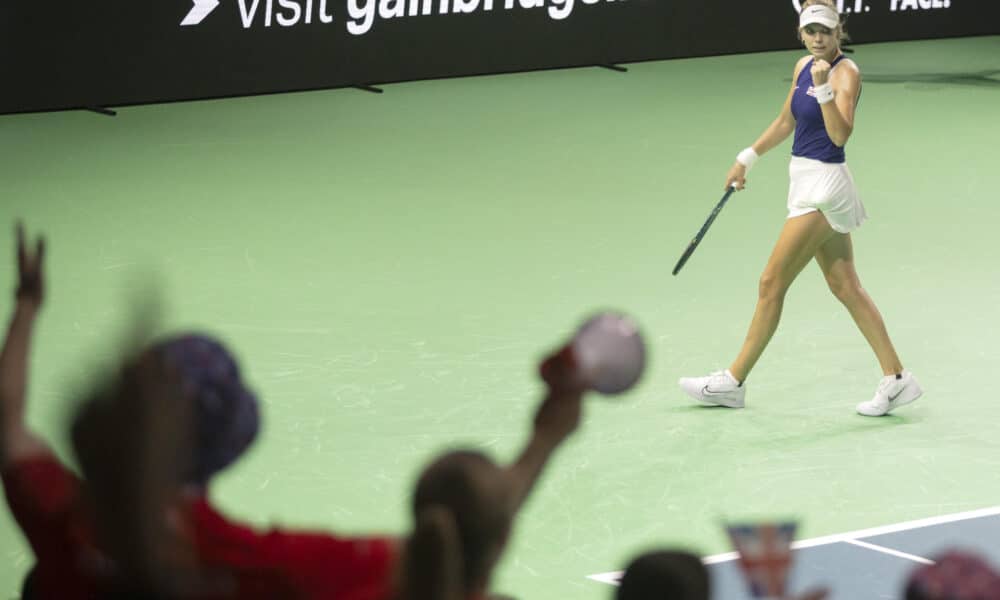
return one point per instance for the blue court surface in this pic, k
(868, 564)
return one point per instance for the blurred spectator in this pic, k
(675, 575)
(464, 504)
(58, 513)
(151, 439)
(665, 574)
(955, 576)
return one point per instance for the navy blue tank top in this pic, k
(811, 140)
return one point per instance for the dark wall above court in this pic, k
(58, 55)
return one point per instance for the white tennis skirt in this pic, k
(828, 188)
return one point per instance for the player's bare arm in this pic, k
(838, 116)
(777, 132)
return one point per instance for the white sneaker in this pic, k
(719, 388)
(891, 394)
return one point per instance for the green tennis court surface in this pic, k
(390, 268)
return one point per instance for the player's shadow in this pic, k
(894, 418)
(851, 425)
(989, 78)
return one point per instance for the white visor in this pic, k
(820, 15)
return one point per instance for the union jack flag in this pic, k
(765, 551)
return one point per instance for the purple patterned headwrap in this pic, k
(225, 413)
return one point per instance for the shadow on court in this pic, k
(986, 79)
(781, 438)
(862, 424)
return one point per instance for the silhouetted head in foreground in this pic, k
(955, 576)
(664, 575)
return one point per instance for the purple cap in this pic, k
(225, 413)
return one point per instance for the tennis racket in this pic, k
(704, 229)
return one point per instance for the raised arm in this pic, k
(838, 116)
(777, 132)
(17, 442)
(558, 416)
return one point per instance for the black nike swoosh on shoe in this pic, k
(893, 398)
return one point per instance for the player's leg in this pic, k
(797, 244)
(836, 259)
(898, 387)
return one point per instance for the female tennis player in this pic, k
(823, 210)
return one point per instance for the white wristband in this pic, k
(747, 157)
(824, 93)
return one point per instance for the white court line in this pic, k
(884, 550)
(608, 578)
(612, 577)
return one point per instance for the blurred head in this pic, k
(472, 489)
(664, 575)
(224, 412)
(955, 576)
(172, 417)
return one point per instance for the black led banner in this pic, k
(58, 55)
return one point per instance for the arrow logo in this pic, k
(200, 10)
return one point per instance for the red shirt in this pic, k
(44, 498)
(385, 591)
